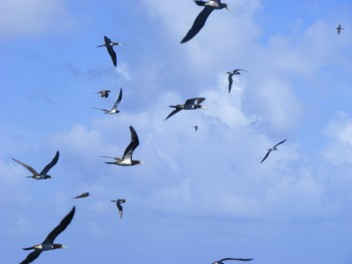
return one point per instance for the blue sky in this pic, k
(201, 195)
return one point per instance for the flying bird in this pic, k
(200, 20)
(83, 195)
(221, 261)
(119, 206)
(104, 93)
(339, 28)
(126, 159)
(109, 46)
(232, 73)
(190, 104)
(195, 128)
(113, 110)
(48, 243)
(43, 174)
(272, 149)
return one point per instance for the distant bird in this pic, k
(48, 243)
(190, 104)
(43, 174)
(232, 73)
(104, 93)
(119, 206)
(114, 108)
(272, 149)
(195, 128)
(126, 159)
(200, 20)
(221, 261)
(339, 28)
(109, 46)
(83, 195)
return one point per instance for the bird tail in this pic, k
(173, 106)
(110, 162)
(29, 248)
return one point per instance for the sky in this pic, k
(201, 195)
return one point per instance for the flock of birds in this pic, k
(126, 159)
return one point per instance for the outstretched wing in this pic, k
(35, 173)
(280, 143)
(132, 146)
(173, 112)
(119, 206)
(240, 259)
(118, 99)
(266, 155)
(31, 256)
(196, 101)
(112, 54)
(230, 82)
(51, 164)
(198, 23)
(61, 227)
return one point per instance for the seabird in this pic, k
(126, 159)
(221, 261)
(114, 108)
(339, 28)
(48, 243)
(232, 73)
(272, 149)
(109, 46)
(195, 128)
(190, 104)
(119, 206)
(43, 174)
(104, 93)
(200, 20)
(83, 195)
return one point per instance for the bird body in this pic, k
(339, 28)
(119, 206)
(104, 93)
(272, 149)
(114, 109)
(200, 20)
(190, 104)
(44, 173)
(231, 74)
(126, 159)
(109, 46)
(48, 243)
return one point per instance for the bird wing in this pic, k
(280, 143)
(35, 173)
(240, 259)
(105, 110)
(51, 164)
(115, 158)
(266, 155)
(200, 3)
(107, 40)
(61, 227)
(31, 256)
(120, 209)
(173, 112)
(118, 99)
(112, 54)
(196, 100)
(230, 81)
(132, 146)
(199, 22)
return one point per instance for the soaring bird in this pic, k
(104, 93)
(232, 73)
(339, 28)
(48, 243)
(43, 174)
(126, 159)
(200, 20)
(195, 128)
(119, 206)
(114, 108)
(109, 46)
(221, 261)
(83, 195)
(272, 149)
(190, 104)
